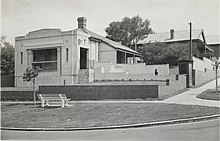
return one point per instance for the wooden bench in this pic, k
(53, 100)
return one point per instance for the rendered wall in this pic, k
(203, 64)
(126, 76)
(174, 87)
(140, 68)
(201, 77)
(52, 78)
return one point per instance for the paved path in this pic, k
(189, 97)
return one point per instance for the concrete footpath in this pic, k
(189, 97)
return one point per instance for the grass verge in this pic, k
(96, 114)
(210, 95)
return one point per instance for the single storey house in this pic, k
(66, 57)
(199, 45)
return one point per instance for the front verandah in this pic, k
(204, 50)
(124, 57)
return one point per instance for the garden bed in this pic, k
(210, 95)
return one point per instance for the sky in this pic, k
(18, 17)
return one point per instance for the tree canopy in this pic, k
(7, 58)
(31, 73)
(163, 53)
(128, 31)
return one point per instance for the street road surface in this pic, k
(197, 131)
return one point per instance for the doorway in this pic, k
(83, 58)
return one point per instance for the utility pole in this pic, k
(216, 65)
(190, 42)
(216, 77)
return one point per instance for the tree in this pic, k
(153, 53)
(161, 53)
(175, 52)
(31, 74)
(128, 31)
(7, 58)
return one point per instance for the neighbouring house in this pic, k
(67, 57)
(214, 42)
(200, 48)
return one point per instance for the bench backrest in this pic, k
(51, 96)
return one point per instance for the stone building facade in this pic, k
(66, 57)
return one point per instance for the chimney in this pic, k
(81, 22)
(171, 33)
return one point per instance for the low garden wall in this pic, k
(102, 92)
(7, 81)
(173, 88)
(17, 95)
(98, 76)
(141, 89)
(140, 68)
(201, 77)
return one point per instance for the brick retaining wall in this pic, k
(101, 92)
(7, 81)
(17, 95)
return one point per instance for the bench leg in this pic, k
(47, 103)
(66, 103)
(62, 103)
(42, 103)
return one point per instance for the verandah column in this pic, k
(125, 58)
(29, 58)
(59, 64)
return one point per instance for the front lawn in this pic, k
(96, 114)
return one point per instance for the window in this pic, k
(79, 41)
(21, 57)
(45, 59)
(67, 54)
(45, 55)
